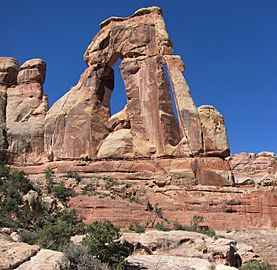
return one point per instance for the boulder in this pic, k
(215, 141)
(45, 260)
(119, 120)
(117, 144)
(14, 253)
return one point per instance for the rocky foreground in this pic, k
(153, 250)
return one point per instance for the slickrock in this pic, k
(21, 256)
(163, 262)
(25, 112)
(14, 253)
(183, 244)
(45, 260)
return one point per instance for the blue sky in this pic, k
(229, 48)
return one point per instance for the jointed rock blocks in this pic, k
(79, 126)
(23, 110)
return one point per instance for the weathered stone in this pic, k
(215, 140)
(9, 68)
(213, 171)
(163, 262)
(183, 244)
(119, 120)
(33, 70)
(153, 124)
(45, 260)
(75, 125)
(25, 112)
(188, 116)
(13, 253)
(117, 144)
(249, 168)
(140, 35)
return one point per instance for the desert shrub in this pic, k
(28, 237)
(136, 227)
(161, 227)
(89, 189)
(62, 193)
(110, 182)
(195, 227)
(55, 236)
(155, 213)
(103, 243)
(256, 265)
(195, 221)
(80, 259)
(14, 184)
(74, 175)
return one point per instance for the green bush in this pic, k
(28, 237)
(110, 182)
(136, 227)
(14, 184)
(257, 265)
(103, 243)
(55, 236)
(57, 229)
(48, 174)
(62, 193)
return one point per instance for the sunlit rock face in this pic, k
(78, 124)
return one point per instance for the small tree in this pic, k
(103, 243)
(62, 193)
(48, 174)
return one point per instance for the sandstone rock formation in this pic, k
(23, 109)
(21, 256)
(78, 124)
(9, 68)
(215, 140)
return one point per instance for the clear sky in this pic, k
(229, 48)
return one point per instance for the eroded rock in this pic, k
(215, 141)
(25, 112)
